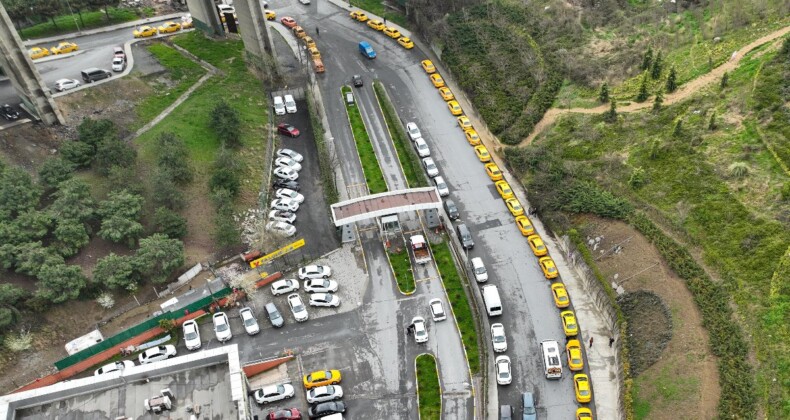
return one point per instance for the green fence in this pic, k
(136, 330)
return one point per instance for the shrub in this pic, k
(226, 173)
(173, 158)
(587, 197)
(226, 124)
(93, 132)
(105, 300)
(170, 223)
(77, 153)
(113, 152)
(54, 171)
(738, 169)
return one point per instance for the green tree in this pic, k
(225, 173)
(119, 229)
(712, 122)
(226, 124)
(158, 256)
(174, 158)
(93, 132)
(170, 223)
(114, 152)
(724, 79)
(658, 66)
(672, 83)
(116, 272)
(121, 203)
(58, 283)
(71, 236)
(33, 225)
(603, 96)
(11, 297)
(73, 201)
(226, 230)
(7, 256)
(658, 101)
(18, 193)
(48, 9)
(166, 192)
(54, 171)
(77, 153)
(643, 95)
(121, 178)
(610, 116)
(678, 130)
(647, 59)
(31, 257)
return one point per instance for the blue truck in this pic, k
(366, 50)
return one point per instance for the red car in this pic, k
(287, 130)
(285, 414)
(288, 21)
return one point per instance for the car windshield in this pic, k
(298, 307)
(190, 335)
(221, 325)
(529, 410)
(249, 322)
(480, 270)
(499, 338)
(441, 185)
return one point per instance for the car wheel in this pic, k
(334, 382)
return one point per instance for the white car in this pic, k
(430, 167)
(290, 104)
(118, 64)
(113, 367)
(315, 272)
(305, 2)
(297, 307)
(66, 84)
(279, 106)
(289, 154)
(420, 331)
(281, 287)
(324, 299)
(288, 193)
(481, 274)
(191, 335)
(249, 321)
(498, 337)
(282, 216)
(222, 327)
(274, 393)
(285, 204)
(414, 132)
(324, 393)
(422, 148)
(224, 8)
(284, 172)
(444, 190)
(281, 228)
(503, 374)
(158, 353)
(320, 286)
(288, 162)
(437, 310)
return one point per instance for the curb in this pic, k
(34, 41)
(348, 117)
(54, 57)
(417, 382)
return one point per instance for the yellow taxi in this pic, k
(537, 245)
(144, 32)
(446, 93)
(360, 16)
(169, 27)
(548, 267)
(38, 52)
(321, 378)
(514, 206)
(437, 80)
(270, 15)
(524, 224)
(187, 23)
(392, 32)
(314, 53)
(482, 153)
(472, 137)
(575, 359)
(581, 384)
(493, 171)
(376, 24)
(583, 413)
(464, 123)
(64, 48)
(504, 190)
(569, 324)
(308, 42)
(299, 33)
(428, 66)
(406, 42)
(454, 108)
(560, 295)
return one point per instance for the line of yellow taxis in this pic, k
(62, 48)
(378, 25)
(166, 28)
(581, 383)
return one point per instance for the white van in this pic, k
(290, 104)
(491, 298)
(481, 274)
(279, 105)
(552, 366)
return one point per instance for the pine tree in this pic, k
(672, 83)
(712, 122)
(611, 115)
(678, 128)
(658, 101)
(724, 79)
(647, 59)
(604, 95)
(642, 95)
(657, 66)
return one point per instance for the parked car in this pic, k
(321, 378)
(324, 393)
(118, 64)
(286, 193)
(285, 204)
(324, 300)
(528, 403)
(357, 80)
(281, 228)
(281, 287)
(315, 272)
(285, 183)
(282, 216)
(498, 337)
(503, 374)
(437, 310)
(419, 329)
(414, 131)
(406, 42)
(9, 113)
(191, 335)
(452, 209)
(284, 172)
(320, 285)
(169, 27)
(288, 130)
(296, 157)
(38, 52)
(64, 48)
(285, 413)
(144, 32)
(221, 327)
(297, 307)
(422, 148)
(113, 367)
(441, 186)
(581, 384)
(430, 167)
(288, 22)
(66, 84)
(249, 321)
(274, 393)
(275, 317)
(505, 412)
(279, 105)
(479, 269)
(326, 408)
(158, 353)
(290, 104)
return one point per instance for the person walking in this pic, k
(611, 341)
(317, 31)
(591, 341)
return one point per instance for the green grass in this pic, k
(65, 24)
(460, 305)
(406, 154)
(401, 265)
(181, 70)
(370, 164)
(429, 392)
(377, 7)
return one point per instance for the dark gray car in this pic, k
(505, 412)
(529, 406)
(274, 315)
(465, 236)
(452, 209)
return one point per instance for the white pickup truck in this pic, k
(419, 247)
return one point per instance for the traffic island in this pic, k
(367, 157)
(401, 267)
(429, 390)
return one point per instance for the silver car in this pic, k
(297, 307)
(320, 286)
(414, 131)
(430, 167)
(422, 148)
(324, 393)
(281, 287)
(285, 204)
(289, 154)
(249, 321)
(437, 310)
(274, 393)
(498, 337)
(281, 228)
(324, 299)
(444, 190)
(66, 84)
(222, 327)
(191, 335)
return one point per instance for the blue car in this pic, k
(366, 50)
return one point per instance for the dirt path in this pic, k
(686, 90)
